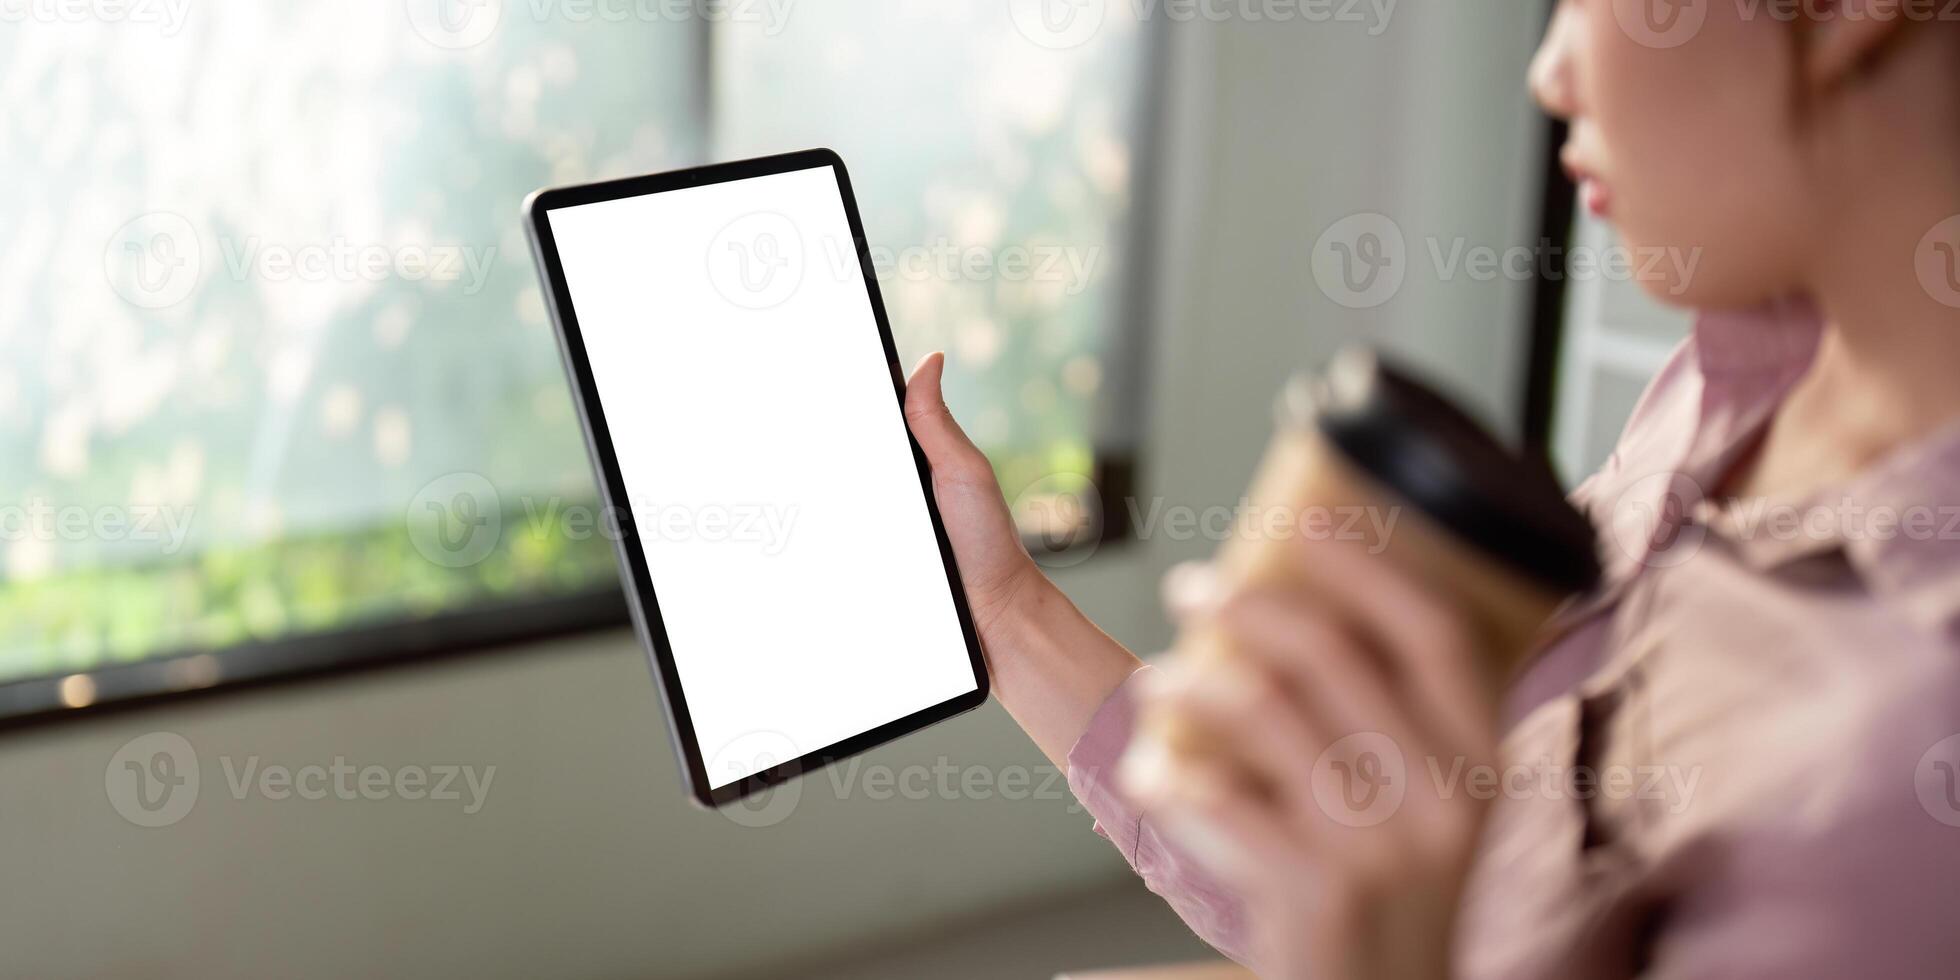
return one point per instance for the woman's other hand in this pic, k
(1315, 794)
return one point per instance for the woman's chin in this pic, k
(1708, 290)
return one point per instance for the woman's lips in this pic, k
(1592, 190)
(1597, 199)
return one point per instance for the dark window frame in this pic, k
(1546, 328)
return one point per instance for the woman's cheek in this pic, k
(1697, 161)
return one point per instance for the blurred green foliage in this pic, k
(91, 618)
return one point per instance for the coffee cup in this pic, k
(1365, 450)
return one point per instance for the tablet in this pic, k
(742, 402)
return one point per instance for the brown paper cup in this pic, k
(1309, 482)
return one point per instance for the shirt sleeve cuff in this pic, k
(1092, 766)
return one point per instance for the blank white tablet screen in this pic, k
(765, 459)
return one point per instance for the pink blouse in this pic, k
(1740, 757)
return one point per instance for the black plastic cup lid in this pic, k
(1412, 441)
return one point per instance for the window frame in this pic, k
(1546, 328)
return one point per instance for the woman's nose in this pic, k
(1550, 76)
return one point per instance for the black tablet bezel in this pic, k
(598, 439)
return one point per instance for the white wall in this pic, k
(585, 859)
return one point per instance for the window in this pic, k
(269, 330)
(994, 175)
(1616, 338)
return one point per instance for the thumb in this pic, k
(946, 444)
(993, 562)
(1190, 589)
